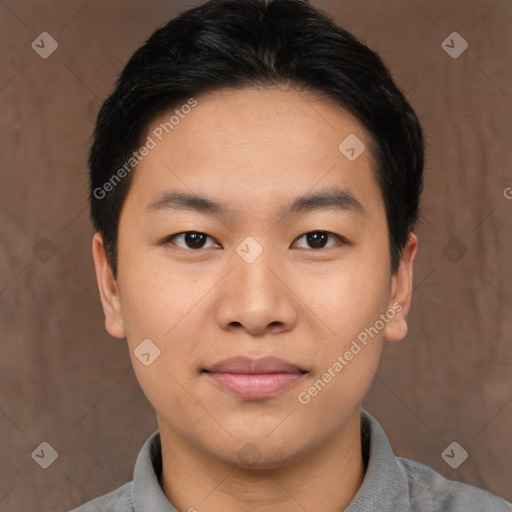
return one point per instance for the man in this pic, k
(255, 183)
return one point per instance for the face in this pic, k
(267, 297)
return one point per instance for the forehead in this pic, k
(256, 145)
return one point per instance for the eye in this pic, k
(318, 239)
(192, 240)
(197, 240)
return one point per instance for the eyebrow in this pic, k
(329, 199)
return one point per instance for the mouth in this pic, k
(254, 378)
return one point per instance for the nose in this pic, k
(256, 297)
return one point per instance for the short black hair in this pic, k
(257, 43)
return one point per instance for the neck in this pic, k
(326, 478)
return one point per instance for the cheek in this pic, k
(349, 346)
(334, 395)
(155, 301)
(349, 303)
(166, 306)
(347, 298)
(160, 308)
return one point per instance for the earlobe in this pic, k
(108, 289)
(401, 295)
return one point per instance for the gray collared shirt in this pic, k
(391, 484)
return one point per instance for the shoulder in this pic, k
(429, 490)
(118, 500)
(144, 489)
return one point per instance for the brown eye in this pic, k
(190, 239)
(318, 239)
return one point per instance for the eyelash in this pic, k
(340, 239)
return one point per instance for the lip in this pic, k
(254, 378)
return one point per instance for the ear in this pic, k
(401, 291)
(107, 286)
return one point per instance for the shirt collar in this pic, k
(148, 496)
(384, 487)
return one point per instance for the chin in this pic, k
(251, 459)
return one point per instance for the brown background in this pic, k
(65, 381)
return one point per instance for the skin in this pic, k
(255, 151)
